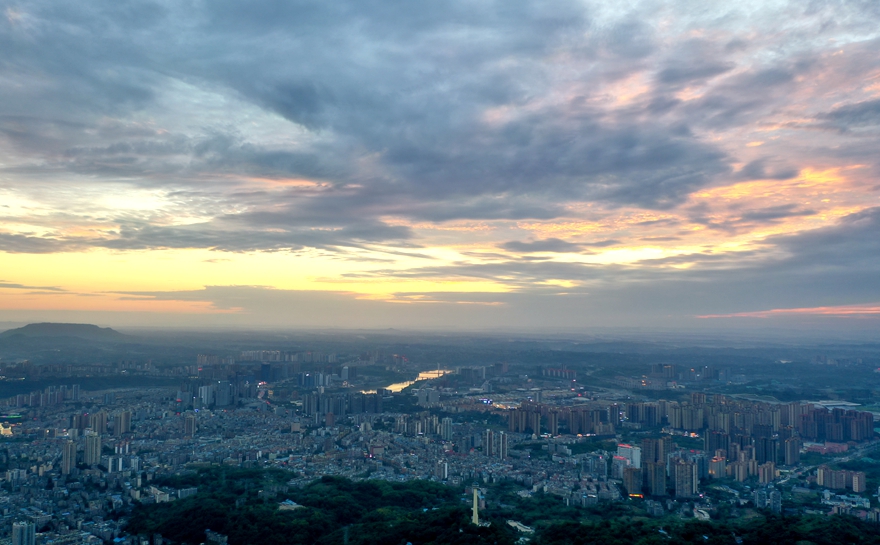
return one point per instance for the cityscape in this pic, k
(457, 272)
(659, 439)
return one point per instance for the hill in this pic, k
(81, 331)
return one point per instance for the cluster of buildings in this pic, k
(78, 462)
(841, 479)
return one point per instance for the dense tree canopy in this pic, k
(244, 505)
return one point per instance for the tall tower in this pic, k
(122, 423)
(446, 429)
(686, 479)
(502, 448)
(476, 516)
(98, 422)
(189, 425)
(68, 457)
(488, 443)
(93, 449)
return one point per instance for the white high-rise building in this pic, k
(207, 394)
(446, 429)
(502, 448)
(631, 453)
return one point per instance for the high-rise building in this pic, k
(792, 451)
(207, 394)
(632, 480)
(189, 425)
(92, 454)
(23, 533)
(761, 498)
(488, 443)
(774, 501)
(858, 482)
(68, 457)
(428, 397)
(767, 473)
(653, 450)
(223, 395)
(502, 447)
(553, 423)
(121, 423)
(718, 467)
(740, 471)
(98, 422)
(79, 421)
(655, 476)
(686, 479)
(631, 453)
(446, 429)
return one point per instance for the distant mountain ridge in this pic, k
(82, 331)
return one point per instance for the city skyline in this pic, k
(685, 166)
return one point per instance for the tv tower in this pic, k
(476, 517)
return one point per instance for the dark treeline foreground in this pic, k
(232, 502)
(244, 505)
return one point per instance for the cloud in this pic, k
(140, 97)
(361, 127)
(771, 213)
(758, 170)
(853, 116)
(693, 62)
(14, 286)
(554, 245)
(16, 243)
(856, 311)
(829, 266)
(546, 294)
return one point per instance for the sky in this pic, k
(441, 165)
